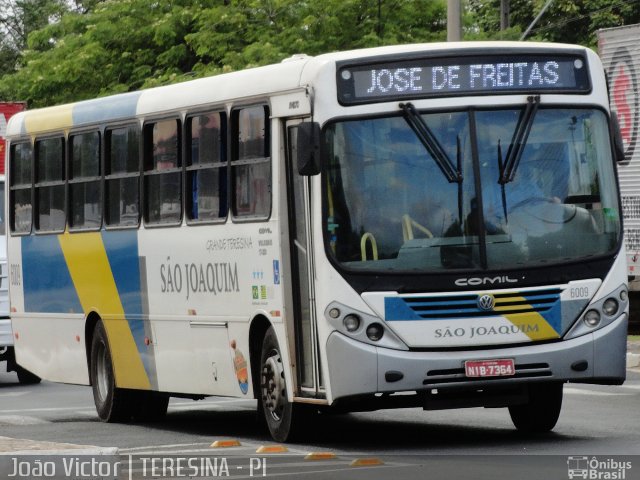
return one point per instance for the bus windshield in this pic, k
(390, 208)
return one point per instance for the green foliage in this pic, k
(567, 21)
(18, 19)
(103, 47)
(62, 50)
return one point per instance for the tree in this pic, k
(567, 21)
(100, 48)
(18, 19)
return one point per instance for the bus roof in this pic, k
(255, 83)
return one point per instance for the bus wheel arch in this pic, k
(89, 328)
(258, 329)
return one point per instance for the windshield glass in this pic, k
(390, 207)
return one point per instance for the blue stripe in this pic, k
(553, 316)
(48, 287)
(108, 108)
(122, 251)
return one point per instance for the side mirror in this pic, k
(618, 144)
(306, 142)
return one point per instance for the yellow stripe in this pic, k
(89, 267)
(526, 320)
(53, 118)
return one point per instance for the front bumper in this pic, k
(357, 368)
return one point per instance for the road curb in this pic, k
(19, 446)
(633, 360)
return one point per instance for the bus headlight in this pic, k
(362, 326)
(375, 331)
(351, 322)
(592, 318)
(610, 307)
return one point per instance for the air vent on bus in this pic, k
(467, 305)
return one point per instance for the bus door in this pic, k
(309, 374)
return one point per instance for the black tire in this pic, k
(112, 404)
(283, 418)
(25, 377)
(541, 412)
(150, 406)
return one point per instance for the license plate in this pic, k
(490, 368)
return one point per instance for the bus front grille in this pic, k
(465, 306)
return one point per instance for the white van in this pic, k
(6, 334)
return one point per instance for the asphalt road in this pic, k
(596, 422)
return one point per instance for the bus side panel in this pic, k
(40, 284)
(98, 291)
(205, 284)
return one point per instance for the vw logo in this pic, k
(486, 302)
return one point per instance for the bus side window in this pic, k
(49, 186)
(20, 207)
(122, 171)
(162, 172)
(206, 176)
(85, 189)
(251, 163)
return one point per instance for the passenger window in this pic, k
(122, 171)
(49, 187)
(85, 191)
(162, 173)
(251, 163)
(20, 206)
(206, 180)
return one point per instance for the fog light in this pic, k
(375, 332)
(351, 323)
(592, 318)
(334, 313)
(624, 295)
(610, 307)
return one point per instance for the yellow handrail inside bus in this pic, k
(363, 246)
(330, 220)
(408, 224)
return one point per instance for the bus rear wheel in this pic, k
(283, 418)
(112, 404)
(25, 377)
(540, 414)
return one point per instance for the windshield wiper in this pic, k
(519, 140)
(430, 142)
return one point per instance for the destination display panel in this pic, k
(378, 81)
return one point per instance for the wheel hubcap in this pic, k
(274, 394)
(102, 376)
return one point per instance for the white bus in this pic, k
(432, 226)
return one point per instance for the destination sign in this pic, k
(488, 74)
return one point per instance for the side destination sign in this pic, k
(378, 81)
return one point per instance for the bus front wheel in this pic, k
(111, 402)
(540, 414)
(283, 418)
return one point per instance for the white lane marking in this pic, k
(594, 393)
(21, 420)
(178, 406)
(14, 394)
